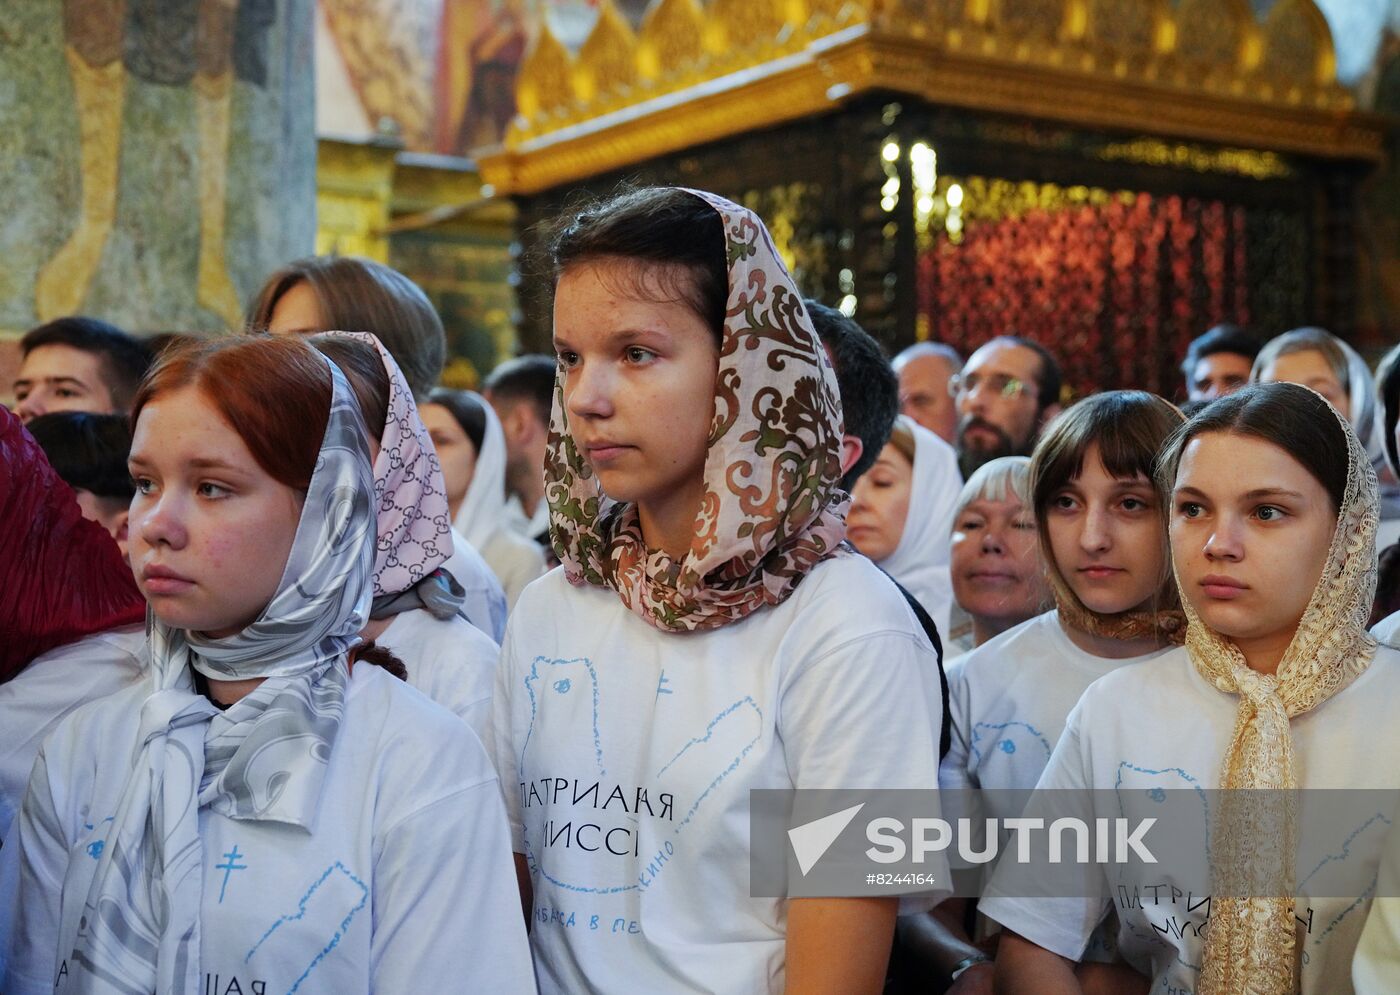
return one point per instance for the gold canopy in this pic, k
(1198, 69)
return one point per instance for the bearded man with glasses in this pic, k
(1007, 391)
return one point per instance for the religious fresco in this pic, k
(438, 75)
(135, 124)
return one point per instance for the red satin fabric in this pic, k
(62, 577)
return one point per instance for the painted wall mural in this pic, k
(134, 124)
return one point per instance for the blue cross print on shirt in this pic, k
(229, 865)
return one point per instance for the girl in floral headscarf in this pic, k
(707, 632)
(1272, 517)
(254, 814)
(418, 609)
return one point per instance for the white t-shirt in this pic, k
(405, 885)
(1142, 729)
(52, 685)
(485, 605)
(1009, 700)
(450, 660)
(596, 712)
(1387, 630)
(1376, 966)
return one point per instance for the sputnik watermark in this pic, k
(1114, 841)
(846, 842)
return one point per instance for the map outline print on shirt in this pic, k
(300, 914)
(535, 682)
(1194, 782)
(709, 732)
(1001, 744)
(1342, 856)
(534, 676)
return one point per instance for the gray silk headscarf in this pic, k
(265, 758)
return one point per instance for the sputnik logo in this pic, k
(811, 840)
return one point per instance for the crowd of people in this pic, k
(317, 676)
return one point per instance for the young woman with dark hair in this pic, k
(471, 445)
(89, 452)
(1272, 522)
(257, 810)
(708, 633)
(1103, 547)
(347, 294)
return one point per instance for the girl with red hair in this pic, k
(256, 811)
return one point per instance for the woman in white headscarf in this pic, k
(256, 811)
(902, 515)
(472, 448)
(1316, 358)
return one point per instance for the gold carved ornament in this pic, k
(1207, 70)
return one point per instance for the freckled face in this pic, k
(209, 530)
(639, 387)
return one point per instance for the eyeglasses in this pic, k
(998, 383)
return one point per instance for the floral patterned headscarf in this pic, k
(772, 507)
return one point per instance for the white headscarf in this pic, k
(483, 510)
(922, 561)
(263, 759)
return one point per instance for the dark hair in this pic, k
(469, 410)
(1294, 418)
(364, 369)
(88, 451)
(676, 231)
(1128, 426)
(1049, 381)
(869, 388)
(1222, 338)
(123, 358)
(361, 295)
(274, 392)
(528, 378)
(1388, 391)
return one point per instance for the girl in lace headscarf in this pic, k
(707, 633)
(1278, 687)
(253, 810)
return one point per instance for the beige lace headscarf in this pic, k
(1250, 941)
